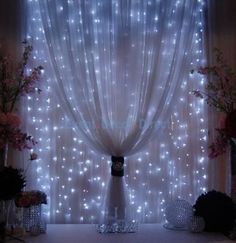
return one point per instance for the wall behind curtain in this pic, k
(221, 33)
(10, 24)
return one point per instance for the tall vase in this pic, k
(32, 218)
(7, 216)
(116, 214)
(3, 156)
(233, 167)
(4, 205)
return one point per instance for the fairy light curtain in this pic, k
(117, 74)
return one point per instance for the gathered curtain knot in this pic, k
(117, 167)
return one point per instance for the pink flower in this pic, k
(220, 92)
(222, 120)
(15, 82)
(29, 198)
(3, 119)
(203, 70)
(13, 120)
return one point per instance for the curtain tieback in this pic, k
(117, 167)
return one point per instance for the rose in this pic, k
(24, 202)
(16, 81)
(29, 198)
(222, 120)
(10, 119)
(13, 120)
(3, 119)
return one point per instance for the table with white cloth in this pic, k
(147, 233)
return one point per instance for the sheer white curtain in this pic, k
(116, 75)
(118, 65)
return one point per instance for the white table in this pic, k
(147, 233)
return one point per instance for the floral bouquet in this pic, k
(16, 80)
(30, 198)
(221, 94)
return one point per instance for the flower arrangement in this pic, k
(218, 211)
(221, 94)
(30, 198)
(16, 81)
(12, 182)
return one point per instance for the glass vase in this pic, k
(32, 220)
(3, 156)
(233, 168)
(116, 215)
(7, 213)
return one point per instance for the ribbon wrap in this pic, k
(117, 167)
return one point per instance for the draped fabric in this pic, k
(118, 65)
(117, 77)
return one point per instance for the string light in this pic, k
(164, 169)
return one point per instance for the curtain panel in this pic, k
(117, 82)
